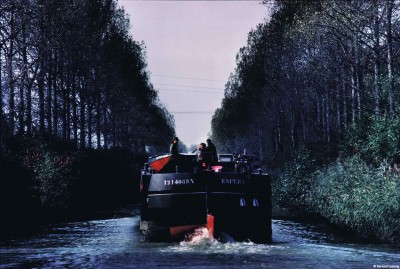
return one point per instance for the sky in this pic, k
(191, 49)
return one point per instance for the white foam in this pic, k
(200, 237)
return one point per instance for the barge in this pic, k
(229, 196)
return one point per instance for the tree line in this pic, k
(321, 74)
(69, 69)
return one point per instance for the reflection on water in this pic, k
(114, 243)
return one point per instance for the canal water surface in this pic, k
(114, 243)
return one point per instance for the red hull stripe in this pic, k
(210, 225)
(157, 165)
(181, 230)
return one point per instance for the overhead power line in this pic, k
(201, 79)
(192, 112)
(176, 90)
(188, 86)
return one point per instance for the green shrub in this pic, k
(358, 197)
(376, 139)
(349, 192)
(51, 182)
(291, 189)
(48, 179)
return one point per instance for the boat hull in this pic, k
(175, 204)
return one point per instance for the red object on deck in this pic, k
(210, 225)
(216, 168)
(158, 163)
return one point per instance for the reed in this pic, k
(358, 197)
(350, 193)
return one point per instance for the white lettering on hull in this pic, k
(233, 181)
(185, 181)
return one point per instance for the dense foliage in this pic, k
(316, 94)
(77, 112)
(352, 194)
(348, 192)
(45, 180)
(70, 69)
(310, 75)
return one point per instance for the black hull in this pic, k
(174, 204)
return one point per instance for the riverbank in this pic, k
(320, 224)
(49, 181)
(348, 193)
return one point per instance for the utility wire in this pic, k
(192, 112)
(175, 90)
(202, 79)
(189, 86)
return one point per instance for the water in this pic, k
(114, 243)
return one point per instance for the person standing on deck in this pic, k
(211, 149)
(200, 152)
(176, 157)
(173, 149)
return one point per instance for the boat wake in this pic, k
(200, 237)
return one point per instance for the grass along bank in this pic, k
(43, 180)
(349, 193)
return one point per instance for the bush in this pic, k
(50, 181)
(376, 139)
(358, 197)
(349, 193)
(291, 190)
(43, 178)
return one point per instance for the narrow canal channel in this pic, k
(114, 243)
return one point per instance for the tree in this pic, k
(72, 71)
(309, 73)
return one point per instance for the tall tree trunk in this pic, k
(318, 112)
(114, 127)
(49, 95)
(389, 4)
(41, 97)
(357, 77)
(260, 140)
(24, 80)
(323, 118)
(376, 59)
(29, 104)
(358, 94)
(21, 108)
(66, 108)
(98, 121)
(82, 114)
(279, 133)
(353, 94)
(1, 105)
(327, 115)
(338, 116)
(90, 125)
(105, 126)
(303, 123)
(10, 73)
(292, 129)
(344, 97)
(41, 77)
(56, 74)
(74, 111)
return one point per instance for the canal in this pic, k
(114, 243)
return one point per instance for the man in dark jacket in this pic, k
(212, 150)
(174, 147)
